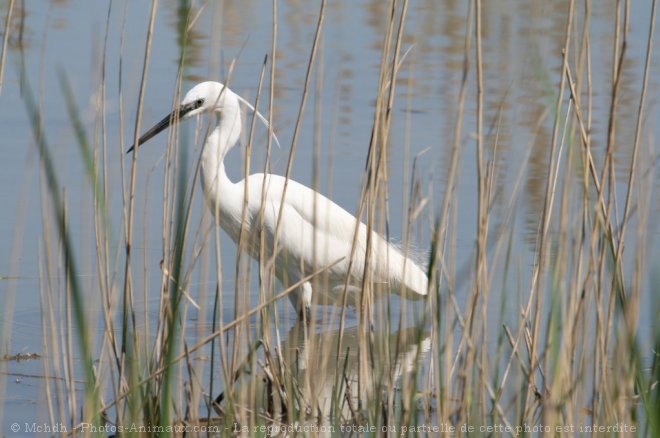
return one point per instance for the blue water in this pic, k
(66, 39)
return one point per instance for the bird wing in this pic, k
(329, 218)
(331, 228)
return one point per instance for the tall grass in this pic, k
(571, 359)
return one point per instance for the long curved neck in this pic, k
(221, 195)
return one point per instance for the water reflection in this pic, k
(335, 377)
(16, 28)
(522, 44)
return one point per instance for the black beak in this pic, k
(171, 119)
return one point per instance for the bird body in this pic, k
(314, 233)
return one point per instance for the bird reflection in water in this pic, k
(310, 382)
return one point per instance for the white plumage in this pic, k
(307, 242)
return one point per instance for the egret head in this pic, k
(207, 96)
(203, 97)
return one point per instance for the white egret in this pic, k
(307, 241)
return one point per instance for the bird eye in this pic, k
(199, 103)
